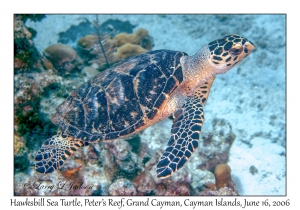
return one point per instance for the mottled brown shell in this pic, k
(122, 99)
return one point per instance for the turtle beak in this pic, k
(250, 46)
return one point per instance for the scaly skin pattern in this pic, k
(199, 71)
(184, 138)
(185, 132)
(215, 58)
(55, 151)
(136, 93)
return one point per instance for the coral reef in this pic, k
(200, 180)
(224, 191)
(63, 58)
(101, 49)
(29, 87)
(71, 172)
(88, 41)
(144, 183)
(84, 28)
(178, 189)
(28, 121)
(26, 56)
(19, 145)
(90, 71)
(32, 17)
(223, 176)
(34, 184)
(122, 187)
(125, 161)
(135, 38)
(223, 183)
(115, 168)
(128, 50)
(92, 52)
(19, 180)
(21, 161)
(215, 146)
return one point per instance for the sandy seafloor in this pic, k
(251, 96)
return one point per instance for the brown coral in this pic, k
(88, 41)
(134, 38)
(224, 184)
(47, 63)
(223, 176)
(63, 58)
(92, 52)
(128, 50)
(112, 50)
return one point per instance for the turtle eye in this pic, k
(236, 50)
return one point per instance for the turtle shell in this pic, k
(122, 99)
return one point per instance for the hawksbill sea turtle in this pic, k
(136, 93)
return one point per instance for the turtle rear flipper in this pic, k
(55, 151)
(184, 138)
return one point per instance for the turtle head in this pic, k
(228, 51)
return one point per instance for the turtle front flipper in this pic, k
(55, 151)
(184, 138)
